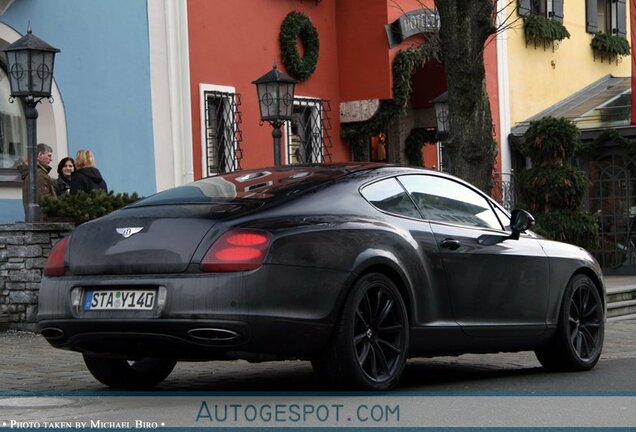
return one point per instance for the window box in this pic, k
(610, 47)
(543, 31)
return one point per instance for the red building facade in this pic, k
(232, 43)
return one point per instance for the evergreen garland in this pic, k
(298, 25)
(593, 148)
(358, 134)
(418, 137)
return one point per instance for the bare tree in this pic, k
(465, 27)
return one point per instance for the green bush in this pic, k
(547, 188)
(550, 140)
(553, 189)
(83, 207)
(577, 227)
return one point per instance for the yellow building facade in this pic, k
(540, 77)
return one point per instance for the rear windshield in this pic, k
(246, 186)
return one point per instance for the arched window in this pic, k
(12, 127)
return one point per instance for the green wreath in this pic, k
(298, 25)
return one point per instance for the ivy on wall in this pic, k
(359, 134)
(297, 25)
(417, 138)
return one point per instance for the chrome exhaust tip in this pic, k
(214, 334)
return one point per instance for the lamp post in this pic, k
(30, 65)
(276, 103)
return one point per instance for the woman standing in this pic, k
(86, 177)
(64, 170)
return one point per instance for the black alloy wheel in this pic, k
(370, 347)
(138, 374)
(578, 342)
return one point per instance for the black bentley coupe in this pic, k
(356, 267)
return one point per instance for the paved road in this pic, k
(29, 364)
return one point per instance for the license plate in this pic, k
(119, 299)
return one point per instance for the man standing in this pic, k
(44, 184)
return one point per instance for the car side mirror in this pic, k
(520, 221)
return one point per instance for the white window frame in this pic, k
(203, 89)
(312, 102)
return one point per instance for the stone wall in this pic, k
(23, 251)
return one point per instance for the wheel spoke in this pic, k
(362, 357)
(384, 364)
(374, 362)
(388, 344)
(361, 318)
(589, 311)
(378, 305)
(386, 310)
(359, 338)
(390, 329)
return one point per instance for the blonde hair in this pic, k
(84, 159)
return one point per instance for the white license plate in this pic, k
(119, 299)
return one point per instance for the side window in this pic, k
(389, 195)
(444, 200)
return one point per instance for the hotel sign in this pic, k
(411, 23)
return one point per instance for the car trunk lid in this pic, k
(136, 245)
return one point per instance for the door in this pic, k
(489, 285)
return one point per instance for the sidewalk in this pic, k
(621, 297)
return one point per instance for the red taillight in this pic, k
(237, 250)
(55, 262)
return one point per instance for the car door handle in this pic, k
(451, 244)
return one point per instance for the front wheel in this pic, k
(578, 341)
(370, 345)
(132, 375)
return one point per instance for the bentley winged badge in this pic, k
(128, 231)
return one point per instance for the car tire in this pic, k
(120, 373)
(370, 345)
(578, 341)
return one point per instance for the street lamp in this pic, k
(30, 65)
(276, 103)
(441, 111)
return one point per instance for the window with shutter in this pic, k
(547, 8)
(606, 16)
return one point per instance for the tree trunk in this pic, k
(470, 148)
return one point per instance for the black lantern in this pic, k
(276, 103)
(30, 63)
(441, 112)
(30, 66)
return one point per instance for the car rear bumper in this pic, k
(275, 310)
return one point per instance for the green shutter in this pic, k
(524, 7)
(591, 16)
(557, 10)
(621, 18)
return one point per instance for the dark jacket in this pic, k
(62, 185)
(87, 179)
